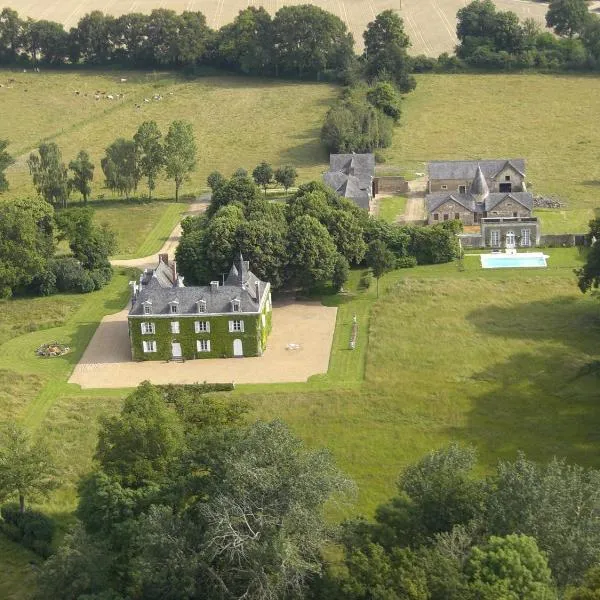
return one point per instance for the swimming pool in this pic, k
(504, 261)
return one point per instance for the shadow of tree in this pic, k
(561, 319)
(537, 403)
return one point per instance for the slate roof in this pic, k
(479, 186)
(351, 176)
(239, 285)
(465, 169)
(468, 201)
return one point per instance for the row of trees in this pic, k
(309, 240)
(299, 40)
(188, 500)
(29, 232)
(126, 162)
(364, 118)
(497, 39)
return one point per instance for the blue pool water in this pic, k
(504, 261)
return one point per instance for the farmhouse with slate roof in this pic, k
(488, 193)
(169, 321)
(351, 176)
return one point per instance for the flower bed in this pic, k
(52, 349)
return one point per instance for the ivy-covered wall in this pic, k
(254, 336)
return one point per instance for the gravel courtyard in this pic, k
(307, 326)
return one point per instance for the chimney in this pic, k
(164, 258)
(257, 284)
(214, 286)
(174, 271)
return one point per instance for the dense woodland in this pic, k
(190, 499)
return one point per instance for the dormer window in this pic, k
(201, 305)
(235, 305)
(147, 305)
(174, 307)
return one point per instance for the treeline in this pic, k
(309, 240)
(299, 41)
(188, 498)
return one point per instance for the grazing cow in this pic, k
(110, 97)
(146, 100)
(123, 80)
(97, 96)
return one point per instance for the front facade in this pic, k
(168, 321)
(491, 194)
(351, 176)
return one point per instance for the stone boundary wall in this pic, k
(564, 240)
(390, 185)
(473, 240)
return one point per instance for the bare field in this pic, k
(430, 24)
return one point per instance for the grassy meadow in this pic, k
(550, 120)
(390, 208)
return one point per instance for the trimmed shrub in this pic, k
(71, 276)
(31, 529)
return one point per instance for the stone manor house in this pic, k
(169, 321)
(490, 194)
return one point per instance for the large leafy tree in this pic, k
(120, 166)
(589, 275)
(47, 41)
(83, 174)
(150, 152)
(311, 251)
(263, 175)
(309, 40)
(567, 17)
(194, 35)
(11, 35)
(130, 33)
(512, 568)
(386, 46)
(6, 160)
(240, 190)
(286, 176)
(49, 174)
(246, 43)
(26, 468)
(93, 38)
(180, 153)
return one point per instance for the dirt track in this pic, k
(106, 362)
(431, 24)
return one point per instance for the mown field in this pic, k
(550, 120)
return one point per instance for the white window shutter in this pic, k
(208, 345)
(208, 330)
(230, 326)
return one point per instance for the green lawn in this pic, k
(391, 208)
(238, 121)
(551, 120)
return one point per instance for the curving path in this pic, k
(198, 206)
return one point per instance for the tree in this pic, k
(137, 446)
(341, 272)
(11, 35)
(263, 175)
(194, 35)
(120, 166)
(386, 46)
(589, 590)
(247, 43)
(308, 40)
(588, 276)
(130, 33)
(567, 17)
(50, 175)
(26, 240)
(311, 251)
(556, 503)
(150, 152)
(379, 259)
(26, 468)
(46, 41)
(214, 180)
(83, 174)
(180, 153)
(93, 37)
(512, 568)
(5, 161)
(286, 177)
(239, 189)
(384, 96)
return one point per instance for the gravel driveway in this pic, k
(106, 362)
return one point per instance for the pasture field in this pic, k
(238, 121)
(431, 24)
(448, 352)
(550, 120)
